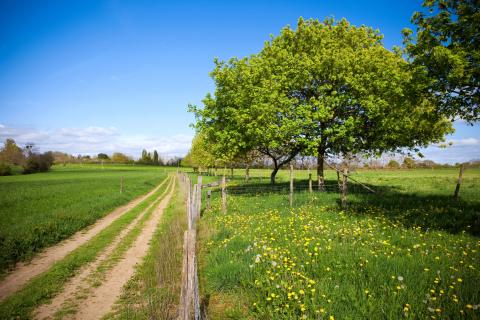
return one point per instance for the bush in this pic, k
(5, 169)
(38, 163)
(392, 164)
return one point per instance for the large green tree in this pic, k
(446, 47)
(323, 89)
(199, 155)
(242, 117)
(350, 93)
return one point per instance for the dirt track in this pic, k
(43, 261)
(95, 302)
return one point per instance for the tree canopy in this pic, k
(324, 88)
(447, 49)
(199, 155)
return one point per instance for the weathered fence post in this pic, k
(291, 185)
(189, 307)
(310, 183)
(189, 203)
(187, 293)
(199, 196)
(224, 195)
(209, 195)
(339, 182)
(344, 188)
(194, 209)
(231, 172)
(121, 184)
(247, 173)
(459, 181)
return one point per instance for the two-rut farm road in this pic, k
(24, 272)
(93, 302)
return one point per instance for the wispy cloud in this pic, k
(93, 140)
(454, 150)
(465, 142)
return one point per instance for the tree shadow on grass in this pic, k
(437, 212)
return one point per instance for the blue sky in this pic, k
(93, 76)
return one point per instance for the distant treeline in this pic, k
(147, 158)
(30, 160)
(27, 158)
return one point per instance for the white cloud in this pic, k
(460, 150)
(93, 140)
(465, 142)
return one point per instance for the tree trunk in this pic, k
(320, 175)
(273, 175)
(274, 172)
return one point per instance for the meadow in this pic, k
(42, 209)
(410, 250)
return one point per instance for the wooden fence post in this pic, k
(231, 172)
(291, 185)
(183, 308)
(224, 195)
(339, 182)
(199, 196)
(310, 183)
(187, 293)
(209, 195)
(189, 205)
(121, 184)
(459, 181)
(247, 173)
(344, 188)
(194, 209)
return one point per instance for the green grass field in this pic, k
(409, 250)
(42, 209)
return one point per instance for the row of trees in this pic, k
(31, 161)
(330, 89)
(28, 158)
(147, 158)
